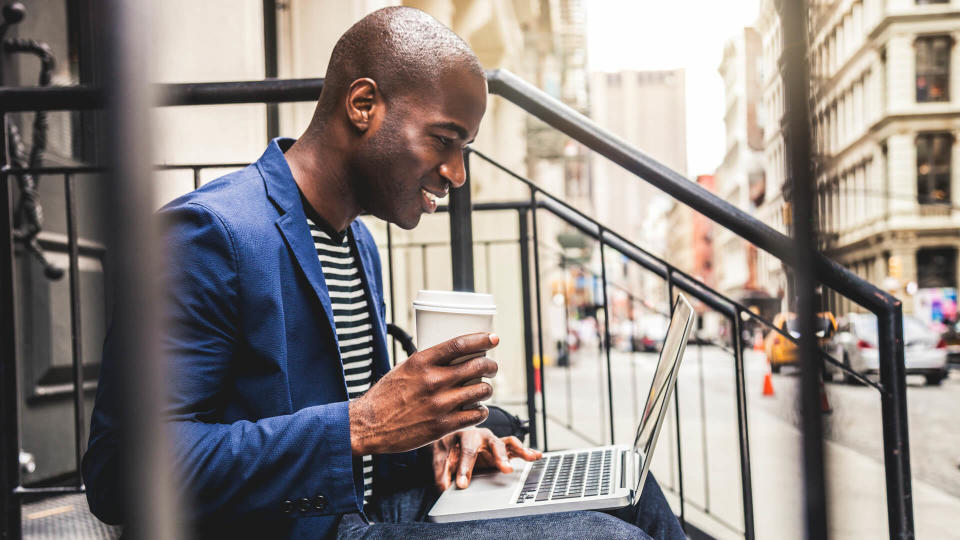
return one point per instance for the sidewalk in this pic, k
(856, 489)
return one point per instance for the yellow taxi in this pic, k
(781, 351)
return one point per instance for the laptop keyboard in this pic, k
(569, 476)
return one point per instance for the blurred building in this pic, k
(771, 209)
(885, 80)
(740, 177)
(702, 229)
(647, 109)
(679, 237)
(555, 59)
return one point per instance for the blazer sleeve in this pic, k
(242, 467)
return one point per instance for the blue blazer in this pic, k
(258, 404)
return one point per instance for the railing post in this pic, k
(393, 302)
(800, 181)
(565, 349)
(76, 335)
(270, 57)
(676, 416)
(150, 502)
(528, 327)
(10, 446)
(423, 264)
(606, 334)
(896, 435)
(703, 423)
(746, 481)
(634, 389)
(461, 233)
(536, 293)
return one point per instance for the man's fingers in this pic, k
(454, 399)
(471, 394)
(475, 368)
(499, 451)
(516, 449)
(460, 346)
(441, 472)
(470, 445)
(450, 467)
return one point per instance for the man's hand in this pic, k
(458, 453)
(420, 400)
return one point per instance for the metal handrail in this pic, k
(651, 262)
(887, 307)
(526, 96)
(551, 111)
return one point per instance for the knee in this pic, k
(600, 525)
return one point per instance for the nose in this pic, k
(453, 170)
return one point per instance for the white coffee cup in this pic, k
(444, 315)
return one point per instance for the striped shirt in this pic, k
(351, 317)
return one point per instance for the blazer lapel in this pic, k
(282, 190)
(297, 235)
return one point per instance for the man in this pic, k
(286, 418)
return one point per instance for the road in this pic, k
(933, 414)
(576, 403)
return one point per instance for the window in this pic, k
(936, 267)
(933, 168)
(933, 68)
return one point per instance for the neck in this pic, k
(318, 167)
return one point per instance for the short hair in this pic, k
(403, 49)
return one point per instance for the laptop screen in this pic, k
(660, 388)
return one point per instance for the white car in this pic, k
(924, 352)
(652, 329)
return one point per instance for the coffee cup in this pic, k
(444, 315)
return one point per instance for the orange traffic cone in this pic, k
(758, 341)
(767, 384)
(824, 404)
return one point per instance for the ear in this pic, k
(363, 103)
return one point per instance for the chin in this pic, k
(407, 224)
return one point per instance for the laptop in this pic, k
(599, 478)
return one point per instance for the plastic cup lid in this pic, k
(455, 300)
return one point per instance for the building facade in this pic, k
(771, 275)
(647, 109)
(703, 230)
(741, 176)
(886, 115)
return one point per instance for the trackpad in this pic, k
(487, 489)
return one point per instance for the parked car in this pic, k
(651, 329)
(781, 351)
(952, 338)
(924, 351)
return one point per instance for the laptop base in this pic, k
(493, 495)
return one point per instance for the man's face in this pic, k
(415, 154)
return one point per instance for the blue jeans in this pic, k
(403, 515)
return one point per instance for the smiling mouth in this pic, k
(428, 201)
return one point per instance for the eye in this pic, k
(444, 141)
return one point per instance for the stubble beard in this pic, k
(375, 189)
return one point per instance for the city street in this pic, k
(711, 478)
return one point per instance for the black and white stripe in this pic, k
(351, 317)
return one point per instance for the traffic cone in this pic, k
(824, 404)
(767, 384)
(758, 341)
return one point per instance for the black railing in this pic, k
(892, 379)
